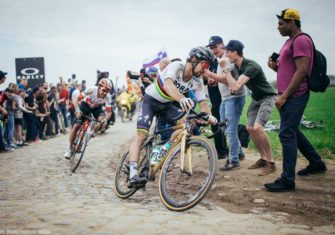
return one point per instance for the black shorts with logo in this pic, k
(150, 107)
(87, 111)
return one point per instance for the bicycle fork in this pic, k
(188, 154)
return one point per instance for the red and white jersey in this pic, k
(91, 98)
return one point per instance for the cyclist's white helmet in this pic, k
(105, 83)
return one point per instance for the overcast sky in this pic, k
(82, 36)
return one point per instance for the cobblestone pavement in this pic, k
(38, 195)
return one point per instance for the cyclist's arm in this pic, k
(199, 92)
(108, 106)
(172, 91)
(75, 101)
(108, 112)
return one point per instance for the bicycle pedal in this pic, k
(141, 186)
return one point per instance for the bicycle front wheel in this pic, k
(182, 185)
(78, 151)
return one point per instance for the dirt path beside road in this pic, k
(37, 193)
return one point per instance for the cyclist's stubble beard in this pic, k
(101, 94)
(187, 73)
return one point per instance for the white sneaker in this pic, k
(67, 155)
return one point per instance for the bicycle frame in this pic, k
(88, 124)
(181, 138)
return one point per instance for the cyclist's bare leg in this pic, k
(73, 133)
(134, 152)
(135, 146)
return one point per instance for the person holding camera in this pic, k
(144, 80)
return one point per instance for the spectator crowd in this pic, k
(29, 115)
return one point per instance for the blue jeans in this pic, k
(292, 138)
(9, 129)
(62, 108)
(231, 110)
(2, 143)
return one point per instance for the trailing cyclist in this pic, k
(176, 80)
(90, 102)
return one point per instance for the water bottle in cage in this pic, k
(154, 159)
(159, 153)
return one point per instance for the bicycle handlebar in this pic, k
(219, 124)
(91, 118)
(204, 116)
(191, 114)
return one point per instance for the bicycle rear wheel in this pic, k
(181, 190)
(78, 151)
(122, 171)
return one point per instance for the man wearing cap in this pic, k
(215, 98)
(231, 106)
(263, 99)
(293, 67)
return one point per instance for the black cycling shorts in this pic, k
(86, 111)
(150, 107)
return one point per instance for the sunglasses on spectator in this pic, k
(10, 91)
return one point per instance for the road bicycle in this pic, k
(187, 170)
(79, 145)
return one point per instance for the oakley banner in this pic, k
(31, 69)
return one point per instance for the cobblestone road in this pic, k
(39, 195)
